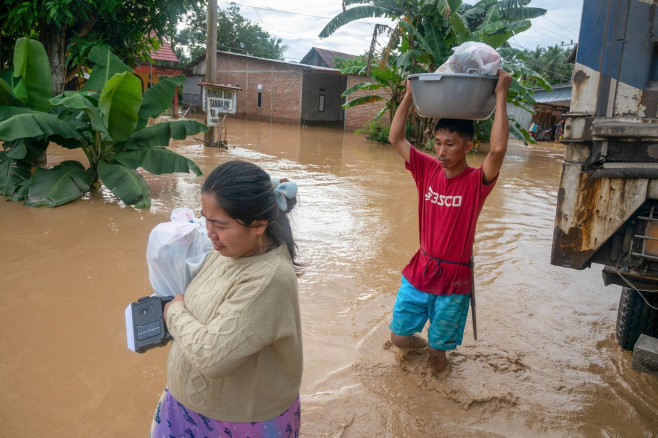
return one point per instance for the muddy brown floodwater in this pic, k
(546, 362)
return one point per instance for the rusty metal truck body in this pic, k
(607, 207)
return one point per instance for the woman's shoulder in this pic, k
(274, 264)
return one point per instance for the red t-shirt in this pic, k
(448, 209)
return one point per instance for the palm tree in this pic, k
(554, 65)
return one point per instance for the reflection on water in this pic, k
(546, 362)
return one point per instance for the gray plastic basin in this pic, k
(454, 96)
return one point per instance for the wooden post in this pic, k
(176, 103)
(211, 60)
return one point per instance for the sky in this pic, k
(298, 23)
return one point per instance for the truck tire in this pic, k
(635, 317)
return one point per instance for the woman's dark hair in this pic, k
(245, 192)
(464, 128)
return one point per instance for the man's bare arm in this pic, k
(398, 125)
(499, 131)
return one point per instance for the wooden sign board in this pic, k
(219, 101)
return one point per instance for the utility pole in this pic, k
(211, 62)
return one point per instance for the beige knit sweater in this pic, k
(237, 349)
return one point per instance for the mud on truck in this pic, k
(607, 207)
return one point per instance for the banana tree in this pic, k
(425, 33)
(107, 120)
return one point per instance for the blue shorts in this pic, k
(446, 313)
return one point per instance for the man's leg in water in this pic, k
(409, 316)
(447, 321)
(408, 341)
(438, 360)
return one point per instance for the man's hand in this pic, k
(503, 84)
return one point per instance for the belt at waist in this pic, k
(437, 267)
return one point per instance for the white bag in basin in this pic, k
(472, 57)
(176, 251)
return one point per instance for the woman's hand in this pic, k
(177, 298)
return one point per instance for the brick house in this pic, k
(282, 92)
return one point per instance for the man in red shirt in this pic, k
(437, 282)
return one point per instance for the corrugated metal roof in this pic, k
(559, 94)
(295, 64)
(328, 56)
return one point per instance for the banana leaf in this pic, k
(35, 125)
(361, 86)
(63, 183)
(8, 111)
(354, 70)
(106, 65)
(12, 173)
(522, 13)
(125, 183)
(26, 149)
(78, 101)
(160, 133)
(157, 161)
(31, 65)
(352, 14)
(6, 96)
(362, 100)
(21, 192)
(158, 98)
(119, 102)
(520, 132)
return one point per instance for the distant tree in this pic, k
(234, 34)
(357, 61)
(69, 29)
(551, 63)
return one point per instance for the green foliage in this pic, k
(346, 63)
(550, 63)
(70, 29)
(425, 31)
(108, 121)
(64, 183)
(375, 131)
(30, 61)
(234, 34)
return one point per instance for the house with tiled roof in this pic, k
(150, 72)
(323, 57)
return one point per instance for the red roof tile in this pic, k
(164, 53)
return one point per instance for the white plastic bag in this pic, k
(474, 58)
(176, 251)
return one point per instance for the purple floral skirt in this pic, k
(173, 420)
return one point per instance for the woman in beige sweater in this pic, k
(235, 365)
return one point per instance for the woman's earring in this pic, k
(260, 244)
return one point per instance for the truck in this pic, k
(607, 203)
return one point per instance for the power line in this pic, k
(561, 38)
(563, 28)
(259, 17)
(265, 8)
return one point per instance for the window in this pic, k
(321, 106)
(260, 99)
